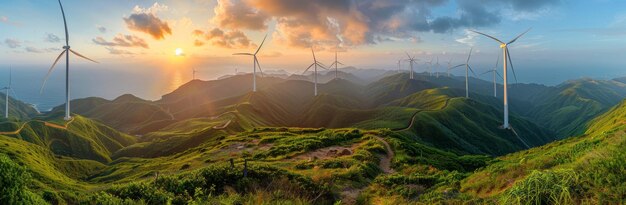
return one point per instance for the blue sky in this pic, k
(569, 39)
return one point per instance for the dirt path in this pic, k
(49, 124)
(385, 161)
(445, 105)
(220, 127)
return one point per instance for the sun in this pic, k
(179, 52)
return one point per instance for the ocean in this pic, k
(147, 83)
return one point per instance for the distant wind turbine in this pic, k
(255, 63)
(430, 66)
(6, 95)
(411, 62)
(449, 67)
(467, 69)
(507, 60)
(400, 64)
(336, 63)
(495, 72)
(314, 65)
(194, 73)
(66, 51)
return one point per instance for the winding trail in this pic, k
(385, 162)
(49, 124)
(445, 105)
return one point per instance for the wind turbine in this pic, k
(6, 95)
(411, 61)
(507, 60)
(194, 73)
(495, 72)
(255, 63)
(66, 50)
(314, 65)
(449, 67)
(467, 69)
(400, 64)
(430, 66)
(336, 63)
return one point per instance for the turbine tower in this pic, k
(507, 60)
(430, 66)
(255, 63)
(495, 72)
(400, 64)
(411, 62)
(194, 73)
(314, 65)
(66, 50)
(449, 67)
(467, 69)
(336, 63)
(6, 95)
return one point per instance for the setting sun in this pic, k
(179, 52)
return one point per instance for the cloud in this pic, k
(145, 20)
(102, 29)
(122, 41)
(4, 19)
(304, 23)
(115, 51)
(52, 38)
(235, 14)
(225, 39)
(31, 49)
(469, 38)
(12, 43)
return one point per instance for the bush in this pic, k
(545, 187)
(13, 181)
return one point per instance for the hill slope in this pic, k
(589, 168)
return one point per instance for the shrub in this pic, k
(545, 187)
(13, 181)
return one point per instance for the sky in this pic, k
(569, 39)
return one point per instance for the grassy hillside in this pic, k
(584, 169)
(570, 106)
(18, 110)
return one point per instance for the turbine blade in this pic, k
(470, 68)
(259, 65)
(321, 65)
(331, 65)
(499, 75)
(489, 71)
(497, 60)
(457, 66)
(511, 62)
(487, 36)
(307, 69)
(50, 71)
(10, 76)
(470, 55)
(258, 49)
(314, 59)
(340, 63)
(243, 54)
(515, 39)
(82, 56)
(407, 55)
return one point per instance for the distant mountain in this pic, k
(17, 108)
(585, 168)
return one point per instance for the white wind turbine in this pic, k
(66, 50)
(495, 72)
(430, 66)
(507, 60)
(449, 67)
(467, 69)
(314, 65)
(400, 64)
(255, 63)
(6, 95)
(411, 62)
(336, 63)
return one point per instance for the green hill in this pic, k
(584, 169)
(17, 109)
(569, 107)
